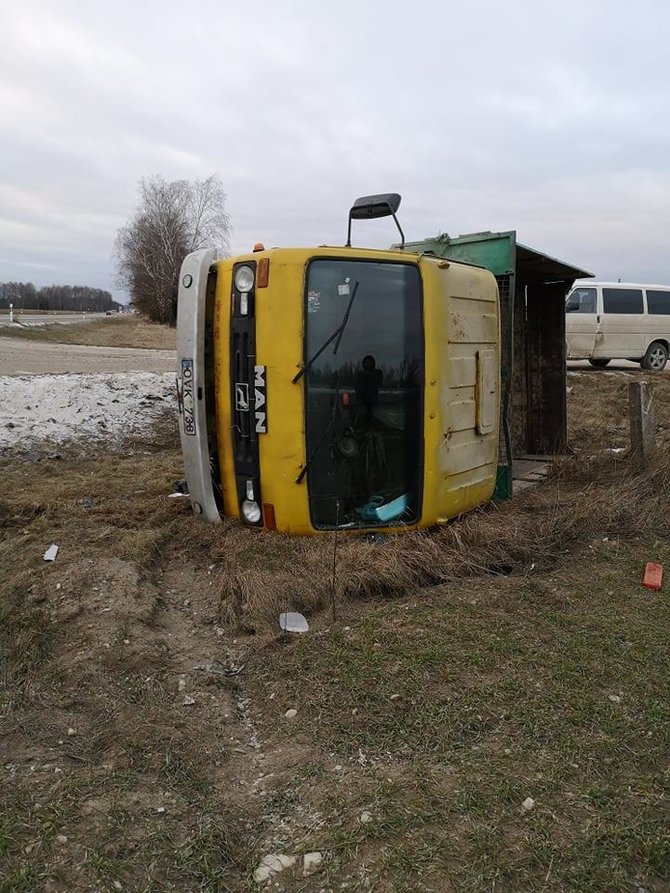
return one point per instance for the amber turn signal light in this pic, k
(269, 516)
(263, 272)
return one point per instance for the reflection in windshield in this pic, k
(364, 401)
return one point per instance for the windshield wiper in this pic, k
(317, 450)
(339, 331)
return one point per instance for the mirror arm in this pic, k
(392, 213)
(348, 245)
(402, 234)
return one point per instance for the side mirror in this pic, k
(370, 207)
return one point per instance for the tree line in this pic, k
(172, 218)
(25, 296)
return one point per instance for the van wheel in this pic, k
(598, 363)
(655, 358)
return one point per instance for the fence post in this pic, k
(642, 415)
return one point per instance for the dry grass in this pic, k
(581, 502)
(441, 713)
(510, 654)
(591, 493)
(115, 331)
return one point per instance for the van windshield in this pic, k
(581, 300)
(363, 393)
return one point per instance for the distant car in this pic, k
(618, 321)
(109, 313)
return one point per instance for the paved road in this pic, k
(33, 319)
(19, 357)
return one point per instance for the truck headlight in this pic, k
(251, 511)
(244, 279)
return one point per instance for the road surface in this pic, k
(19, 357)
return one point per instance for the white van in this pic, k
(618, 321)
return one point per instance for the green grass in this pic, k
(438, 711)
(123, 331)
(474, 698)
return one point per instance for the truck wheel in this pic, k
(598, 363)
(655, 358)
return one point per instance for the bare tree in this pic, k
(173, 218)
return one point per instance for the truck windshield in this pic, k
(364, 426)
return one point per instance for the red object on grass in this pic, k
(653, 575)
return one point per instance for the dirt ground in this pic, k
(504, 726)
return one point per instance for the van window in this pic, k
(581, 300)
(658, 302)
(622, 300)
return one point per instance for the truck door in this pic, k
(581, 322)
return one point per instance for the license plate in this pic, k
(187, 398)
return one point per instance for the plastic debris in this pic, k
(293, 622)
(653, 576)
(51, 552)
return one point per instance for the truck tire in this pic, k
(598, 363)
(655, 358)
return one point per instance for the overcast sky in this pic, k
(549, 118)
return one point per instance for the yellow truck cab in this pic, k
(338, 388)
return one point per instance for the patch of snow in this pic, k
(57, 408)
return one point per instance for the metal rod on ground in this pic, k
(334, 579)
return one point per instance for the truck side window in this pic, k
(581, 300)
(658, 302)
(622, 300)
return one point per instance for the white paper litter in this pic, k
(51, 552)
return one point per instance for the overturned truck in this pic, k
(342, 388)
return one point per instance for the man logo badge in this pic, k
(242, 397)
(260, 400)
